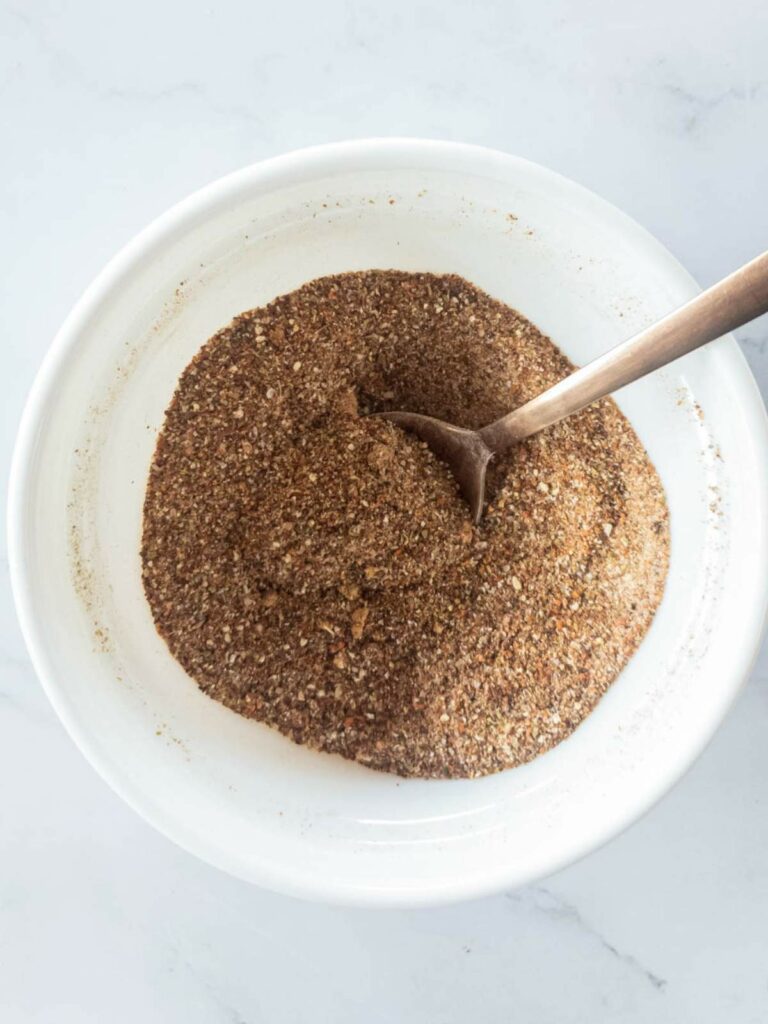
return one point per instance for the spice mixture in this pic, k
(318, 570)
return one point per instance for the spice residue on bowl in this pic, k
(317, 570)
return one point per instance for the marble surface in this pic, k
(111, 112)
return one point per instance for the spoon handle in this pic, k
(732, 302)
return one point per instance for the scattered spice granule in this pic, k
(317, 570)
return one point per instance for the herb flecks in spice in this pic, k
(317, 570)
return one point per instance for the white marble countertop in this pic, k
(111, 112)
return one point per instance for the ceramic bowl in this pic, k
(240, 795)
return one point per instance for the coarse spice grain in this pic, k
(317, 570)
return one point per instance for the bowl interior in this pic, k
(241, 795)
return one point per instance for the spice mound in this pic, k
(316, 569)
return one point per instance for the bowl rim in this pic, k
(296, 165)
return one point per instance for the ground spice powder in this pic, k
(317, 570)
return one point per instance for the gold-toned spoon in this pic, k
(725, 306)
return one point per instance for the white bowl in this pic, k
(240, 795)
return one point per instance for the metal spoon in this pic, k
(725, 306)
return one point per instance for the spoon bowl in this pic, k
(464, 452)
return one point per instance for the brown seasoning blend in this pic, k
(318, 571)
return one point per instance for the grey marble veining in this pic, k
(111, 112)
